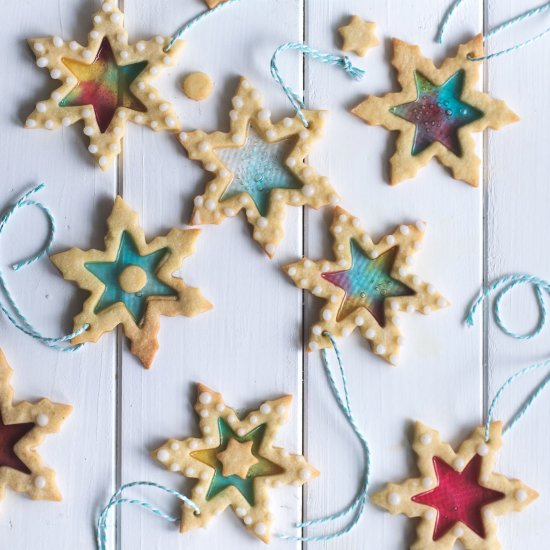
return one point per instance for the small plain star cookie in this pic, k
(367, 286)
(105, 84)
(235, 462)
(358, 36)
(457, 495)
(436, 112)
(131, 282)
(23, 427)
(259, 167)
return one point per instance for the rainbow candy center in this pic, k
(438, 113)
(104, 85)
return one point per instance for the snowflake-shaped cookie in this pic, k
(104, 84)
(367, 286)
(436, 112)
(235, 462)
(23, 427)
(131, 282)
(457, 495)
(258, 167)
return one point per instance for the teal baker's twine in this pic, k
(116, 500)
(358, 504)
(18, 319)
(496, 30)
(185, 27)
(323, 57)
(505, 285)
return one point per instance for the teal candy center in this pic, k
(258, 167)
(109, 274)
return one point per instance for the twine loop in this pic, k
(324, 57)
(503, 286)
(357, 506)
(16, 316)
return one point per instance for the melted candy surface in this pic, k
(109, 274)
(104, 85)
(258, 167)
(438, 113)
(458, 497)
(368, 283)
(10, 434)
(219, 482)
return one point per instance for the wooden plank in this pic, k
(517, 192)
(247, 347)
(80, 197)
(437, 353)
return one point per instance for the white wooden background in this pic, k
(250, 346)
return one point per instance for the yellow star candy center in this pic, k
(237, 459)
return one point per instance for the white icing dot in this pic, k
(38, 47)
(394, 499)
(390, 239)
(425, 439)
(262, 223)
(30, 123)
(427, 482)
(482, 450)
(241, 512)
(189, 472)
(264, 114)
(394, 359)
(87, 54)
(167, 60)
(229, 212)
(97, 18)
(394, 305)
(232, 418)
(409, 260)
(281, 410)
(458, 532)
(141, 85)
(41, 107)
(338, 229)
(271, 134)
(117, 130)
(159, 39)
(113, 147)
(380, 349)
(103, 161)
(256, 96)
(241, 432)
(42, 62)
(237, 139)
(175, 467)
(421, 226)
(260, 529)
(308, 190)
(404, 229)
(199, 490)
(254, 419)
(233, 115)
(116, 17)
(204, 413)
(193, 444)
(154, 124)
(107, 7)
(370, 334)
(88, 130)
(205, 476)
(521, 495)
(57, 41)
(416, 280)
(287, 122)
(183, 136)
(429, 515)
(204, 146)
(317, 290)
(42, 420)
(205, 398)
(304, 474)
(92, 148)
(248, 520)
(430, 289)
(237, 102)
(164, 107)
(71, 80)
(291, 162)
(292, 271)
(175, 446)
(40, 482)
(207, 429)
(163, 455)
(124, 54)
(410, 308)
(402, 271)
(265, 408)
(170, 122)
(154, 70)
(304, 134)
(49, 124)
(374, 253)
(140, 46)
(209, 440)
(210, 205)
(359, 321)
(152, 96)
(327, 314)
(458, 464)
(55, 74)
(56, 96)
(427, 309)
(121, 37)
(308, 263)
(66, 121)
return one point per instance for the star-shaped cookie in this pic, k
(367, 286)
(235, 462)
(258, 166)
(23, 427)
(131, 282)
(358, 36)
(104, 84)
(457, 495)
(436, 112)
